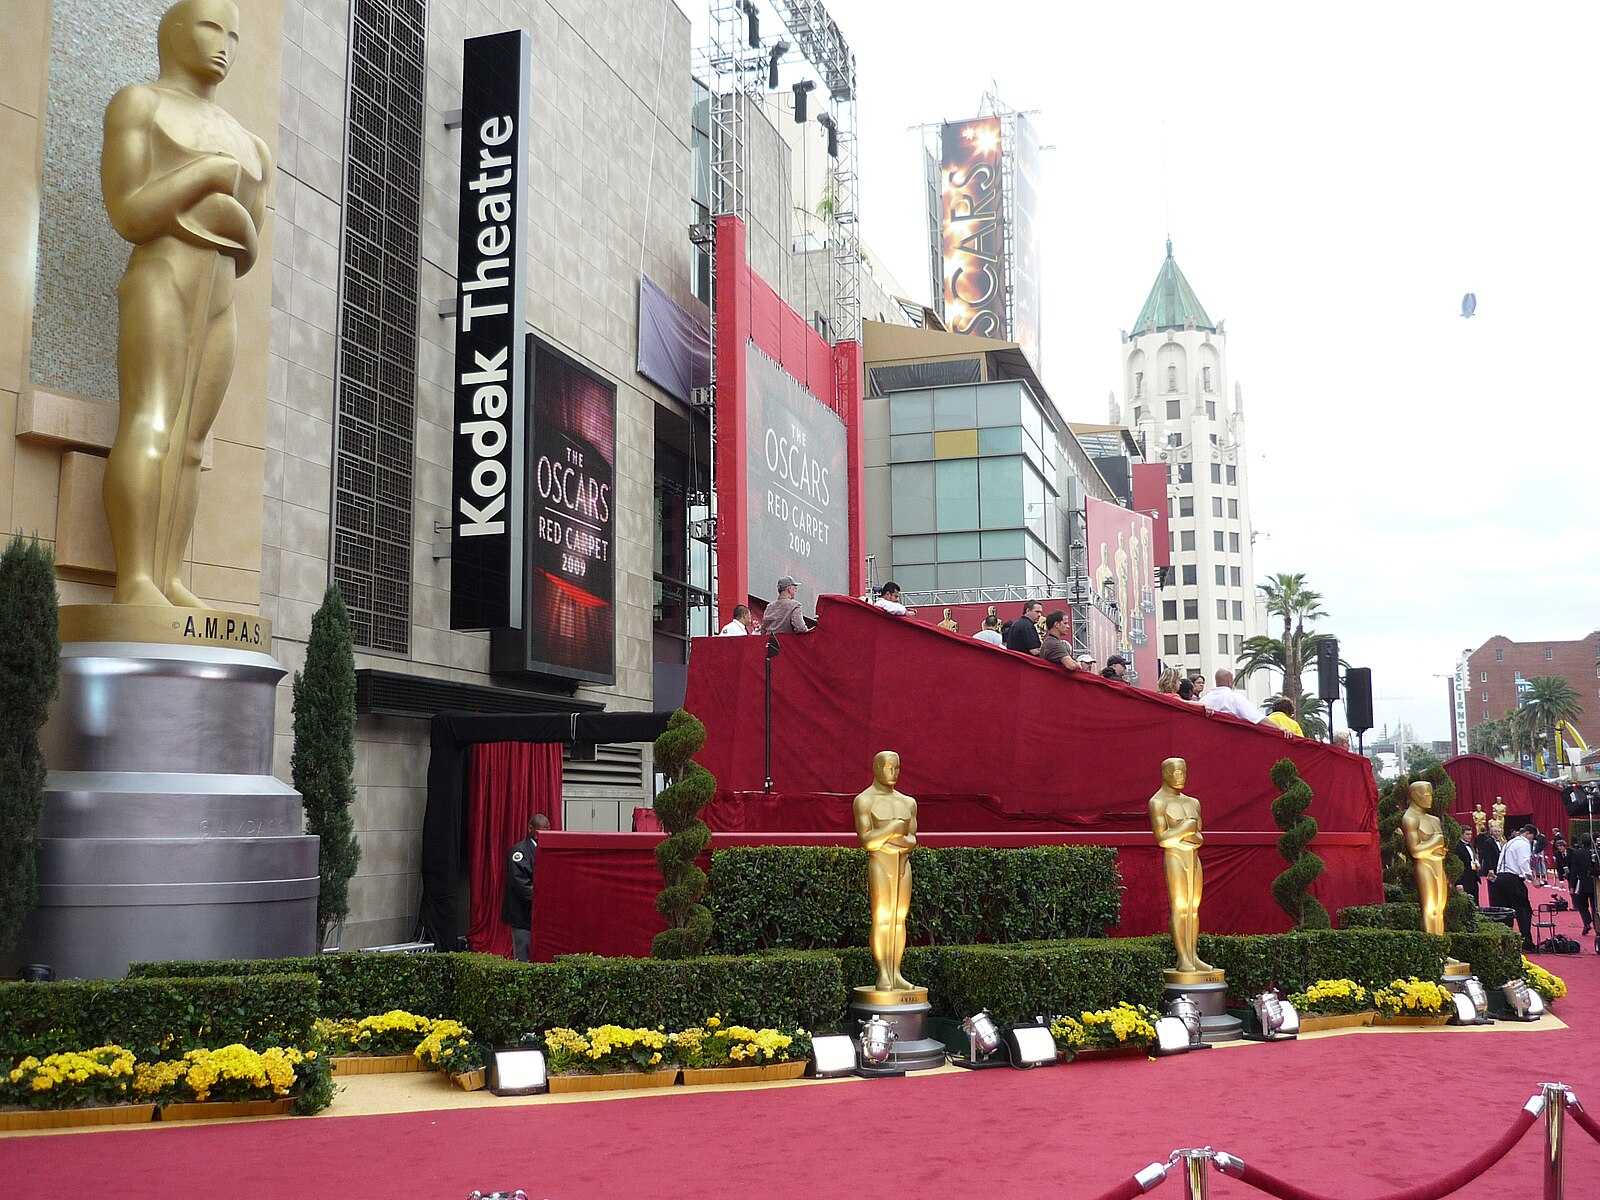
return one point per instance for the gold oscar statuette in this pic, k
(1498, 821)
(1480, 820)
(886, 824)
(1425, 843)
(186, 184)
(1175, 821)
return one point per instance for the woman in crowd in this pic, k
(1167, 685)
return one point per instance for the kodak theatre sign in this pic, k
(486, 517)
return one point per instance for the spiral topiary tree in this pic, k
(30, 662)
(689, 788)
(1292, 889)
(1398, 881)
(1399, 874)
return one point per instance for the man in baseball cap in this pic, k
(783, 615)
(1116, 667)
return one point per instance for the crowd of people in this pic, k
(1511, 866)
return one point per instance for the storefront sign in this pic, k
(798, 491)
(486, 541)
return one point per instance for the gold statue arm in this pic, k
(142, 211)
(258, 206)
(875, 837)
(1416, 844)
(1164, 826)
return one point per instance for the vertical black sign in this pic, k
(486, 503)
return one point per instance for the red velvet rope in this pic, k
(1585, 1122)
(1126, 1190)
(1460, 1177)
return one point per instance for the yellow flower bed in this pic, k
(1105, 1028)
(71, 1078)
(604, 1048)
(1549, 985)
(714, 1044)
(1412, 997)
(1329, 997)
(393, 1032)
(234, 1072)
(449, 1047)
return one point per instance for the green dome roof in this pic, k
(1172, 303)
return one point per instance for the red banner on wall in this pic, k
(1121, 547)
(1150, 498)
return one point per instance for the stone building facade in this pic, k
(1493, 670)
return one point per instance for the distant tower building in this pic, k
(1175, 385)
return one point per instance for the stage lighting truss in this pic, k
(519, 1073)
(833, 1055)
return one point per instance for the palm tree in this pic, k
(1488, 738)
(1288, 597)
(1550, 699)
(1313, 716)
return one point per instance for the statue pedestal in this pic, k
(907, 1010)
(163, 833)
(1455, 975)
(1209, 991)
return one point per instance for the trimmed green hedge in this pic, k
(1460, 915)
(502, 1000)
(157, 1018)
(353, 985)
(1292, 961)
(815, 897)
(1494, 951)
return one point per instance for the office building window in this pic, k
(1138, 384)
(1216, 472)
(375, 404)
(1205, 378)
(1185, 472)
(1233, 576)
(1174, 410)
(1169, 610)
(1174, 439)
(1138, 414)
(1216, 506)
(1238, 644)
(1191, 610)
(1548, 654)
(1233, 509)
(1172, 377)
(1211, 409)
(1222, 643)
(1222, 610)
(1238, 610)
(1190, 575)
(1216, 539)
(1191, 643)
(1233, 542)
(1170, 645)
(1222, 576)
(1499, 656)
(1186, 540)
(1186, 506)
(1233, 474)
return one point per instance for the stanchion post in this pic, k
(1194, 1174)
(1555, 1111)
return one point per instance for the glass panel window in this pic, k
(1174, 439)
(955, 408)
(999, 493)
(1213, 439)
(1216, 472)
(1002, 439)
(1003, 543)
(1211, 409)
(958, 547)
(1483, 676)
(1238, 610)
(1004, 571)
(1169, 610)
(955, 443)
(1222, 576)
(1233, 474)
(911, 498)
(1032, 420)
(999, 404)
(1191, 643)
(1233, 577)
(913, 550)
(1170, 644)
(1034, 510)
(1216, 539)
(1222, 610)
(1216, 506)
(1185, 472)
(1548, 654)
(956, 493)
(960, 575)
(1190, 575)
(1186, 540)
(1186, 506)
(1172, 540)
(1191, 610)
(1174, 409)
(1233, 509)
(1238, 644)
(911, 412)
(911, 447)
(1222, 643)
(1233, 542)
(1499, 656)
(916, 579)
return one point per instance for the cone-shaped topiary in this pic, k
(1292, 889)
(30, 664)
(324, 757)
(689, 788)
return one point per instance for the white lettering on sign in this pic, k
(487, 438)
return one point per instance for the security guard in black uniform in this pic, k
(516, 909)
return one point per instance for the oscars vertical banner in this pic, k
(487, 478)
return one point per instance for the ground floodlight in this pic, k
(877, 1040)
(1526, 1004)
(1278, 1020)
(1032, 1045)
(833, 1054)
(1184, 1009)
(475, 1194)
(1480, 998)
(985, 1037)
(519, 1073)
(1172, 1036)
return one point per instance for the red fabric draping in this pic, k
(508, 783)
(576, 868)
(975, 720)
(1480, 780)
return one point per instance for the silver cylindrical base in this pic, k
(164, 834)
(913, 1049)
(1211, 999)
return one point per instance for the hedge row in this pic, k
(815, 897)
(1494, 951)
(352, 985)
(1460, 915)
(157, 1017)
(1292, 961)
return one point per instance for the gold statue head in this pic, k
(198, 39)
(1421, 794)
(1175, 774)
(886, 768)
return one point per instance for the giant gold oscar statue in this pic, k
(187, 185)
(886, 825)
(1425, 843)
(160, 744)
(1175, 821)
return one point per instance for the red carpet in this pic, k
(1354, 1117)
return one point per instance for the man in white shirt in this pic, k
(1229, 699)
(990, 632)
(888, 599)
(740, 625)
(1509, 888)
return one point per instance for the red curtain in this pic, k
(507, 784)
(1481, 781)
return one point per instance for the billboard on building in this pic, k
(1025, 264)
(1121, 549)
(1150, 498)
(570, 582)
(972, 227)
(798, 495)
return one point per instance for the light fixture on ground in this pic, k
(1186, 1011)
(833, 1055)
(986, 1045)
(1276, 1017)
(1472, 1003)
(1526, 1004)
(519, 1073)
(878, 1037)
(475, 1194)
(779, 49)
(1175, 1037)
(1031, 1045)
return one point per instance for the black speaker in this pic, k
(1328, 669)
(1358, 698)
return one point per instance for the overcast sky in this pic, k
(1333, 178)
